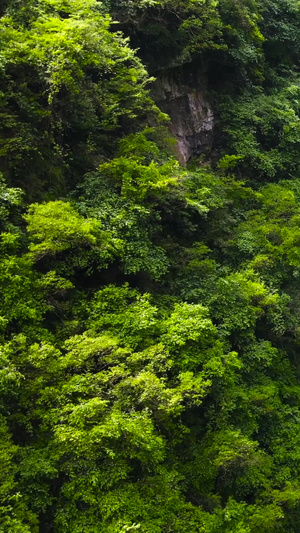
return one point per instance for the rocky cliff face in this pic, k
(182, 96)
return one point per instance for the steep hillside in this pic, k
(150, 265)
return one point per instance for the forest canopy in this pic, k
(149, 311)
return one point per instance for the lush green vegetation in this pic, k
(149, 313)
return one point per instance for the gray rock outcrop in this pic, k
(183, 98)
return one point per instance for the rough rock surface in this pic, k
(182, 96)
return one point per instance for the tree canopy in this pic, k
(149, 312)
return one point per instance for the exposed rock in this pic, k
(182, 97)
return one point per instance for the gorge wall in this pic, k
(182, 95)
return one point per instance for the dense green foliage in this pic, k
(149, 313)
(52, 52)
